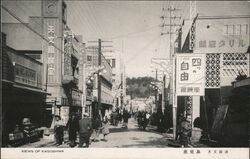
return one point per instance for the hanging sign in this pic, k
(190, 74)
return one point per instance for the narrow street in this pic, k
(119, 138)
(131, 137)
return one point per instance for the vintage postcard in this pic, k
(124, 79)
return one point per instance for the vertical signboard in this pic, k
(190, 74)
(51, 50)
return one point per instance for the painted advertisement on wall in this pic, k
(190, 74)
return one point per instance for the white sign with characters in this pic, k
(190, 73)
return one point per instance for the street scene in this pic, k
(118, 138)
(125, 74)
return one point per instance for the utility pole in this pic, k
(156, 103)
(163, 93)
(122, 92)
(99, 82)
(99, 78)
(173, 64)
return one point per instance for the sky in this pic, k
(133, 26)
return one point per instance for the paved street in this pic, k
(119, 137)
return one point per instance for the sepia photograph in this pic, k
(165, 78)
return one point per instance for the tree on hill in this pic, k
(139, 87)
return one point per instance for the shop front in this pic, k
(23, 95)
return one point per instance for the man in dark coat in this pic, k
(73, 127)
(96, 124)
(85, 129)
(126, 116)
(58, 130)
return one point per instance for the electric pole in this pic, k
(163, 93)
(173, 64)
(98, 108)
(99, 82)
(156, 103)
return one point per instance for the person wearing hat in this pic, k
(85, 129)
(58, 130)
(72, 126)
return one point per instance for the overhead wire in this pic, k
(29, 27)
(84, 20)
(133, 33)
(84, 6)
(141, 50)
(93, 9)
(91, 15)
(127, 9)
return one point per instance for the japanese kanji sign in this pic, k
(222, 35)
(190, 74)
(51, 50)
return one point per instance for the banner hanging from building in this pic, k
(190, 74)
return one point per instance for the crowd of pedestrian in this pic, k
(88, 129)
(84, 127)
(143, 118)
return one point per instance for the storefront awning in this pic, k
(31, 89)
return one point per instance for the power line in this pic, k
(82, 20)
(88, 17)
(95, 20)
(141, 50)
(27, 25)
(133, 33)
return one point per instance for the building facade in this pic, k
(224, 40)
(23, 94)
(95, 73)
(42, 33)
(114, 58)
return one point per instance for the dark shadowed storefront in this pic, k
(23, 94)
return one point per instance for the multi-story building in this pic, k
(73, 77)
(42, 33)
(23, 90)
(95, 73)
(115, 59)
(223, 37)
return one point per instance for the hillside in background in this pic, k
(139, 87)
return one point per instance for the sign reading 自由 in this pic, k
(190, 73)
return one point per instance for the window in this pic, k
(89, 58)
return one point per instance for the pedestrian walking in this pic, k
(97, 124)
(105, 127)
(185, 132)
(85, 129)
(73, 127)
(114, 118)
(147, 118)
(58, 130)
(126, 116)
(119, 117)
